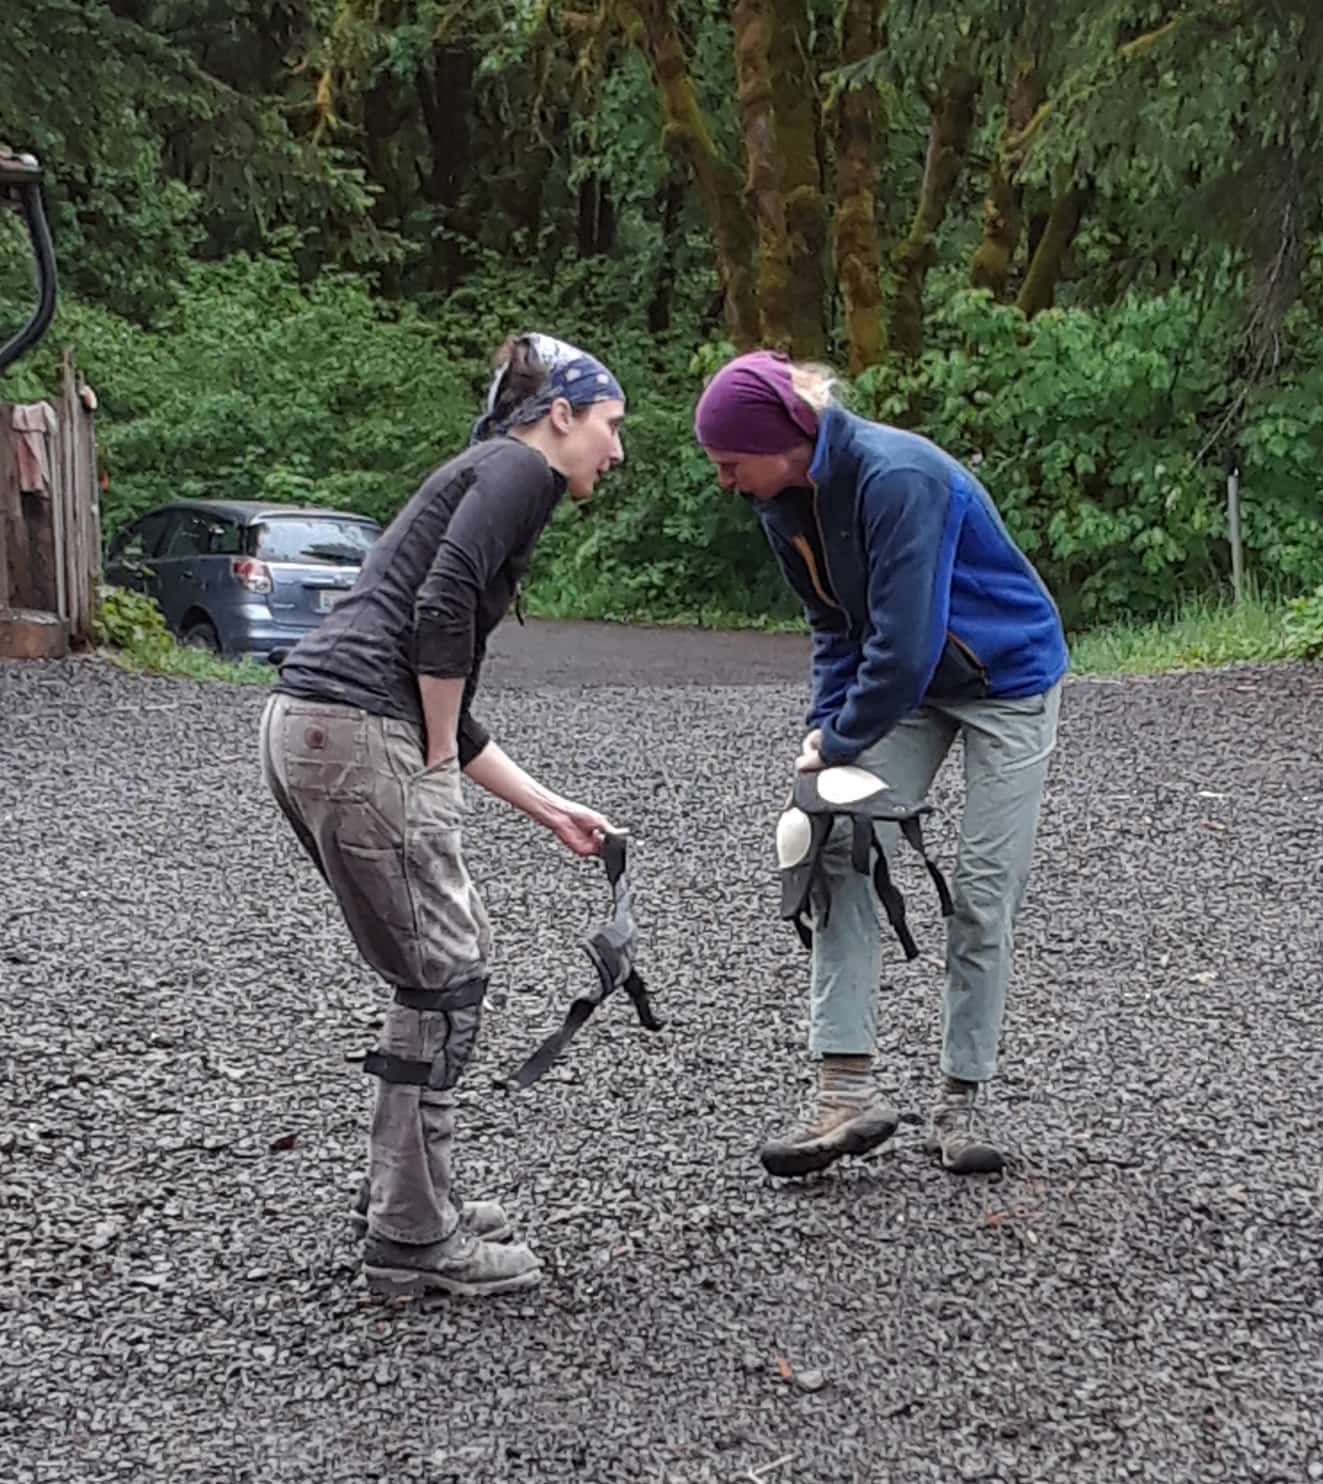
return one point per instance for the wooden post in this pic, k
(73, 563)
(59, 512)
(6, 458)
(90, 502)
(1233, 528)
(13, 532)
(34, 428)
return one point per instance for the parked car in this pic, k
(239, 577)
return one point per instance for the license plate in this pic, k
(328, 597)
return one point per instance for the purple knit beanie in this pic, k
(750, 406)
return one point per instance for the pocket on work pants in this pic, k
(452, 930)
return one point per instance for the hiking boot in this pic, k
(463, 1264)
(484, 1219)
(833, 1130)
(956, 1133)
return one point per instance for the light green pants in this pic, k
(1007, 745)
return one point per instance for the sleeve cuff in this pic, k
(472, 739)
(833, 751)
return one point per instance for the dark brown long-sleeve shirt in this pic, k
(438, 581)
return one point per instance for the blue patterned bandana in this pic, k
(575, 375)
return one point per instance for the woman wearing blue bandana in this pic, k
(363, 745)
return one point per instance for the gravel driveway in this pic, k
(182, 1113)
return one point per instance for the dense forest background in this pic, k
(1075, 241)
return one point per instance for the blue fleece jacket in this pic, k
(911, 583)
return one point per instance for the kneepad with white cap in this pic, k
(852, 793)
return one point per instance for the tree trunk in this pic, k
(592, 33)
(799, 142)
(1040, 284)
(597, 218)
(752, 23)
(948, 142)
(382, 117)
(718, 182)
(1002, 212)
(857, 251)
(672, 212)
(444, 89)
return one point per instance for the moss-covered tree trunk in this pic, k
(948, 144)
(592, 34)
(719, 186)
(445, 88)
(1003, 211)
(670, 208)
(752, 24)
(856, 249)
(800, 145)
(1040, 285)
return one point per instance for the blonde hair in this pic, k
(815, 385)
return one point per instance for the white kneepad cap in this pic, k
(848, 785)
(794, 836)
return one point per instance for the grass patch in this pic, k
(1203, 633)
(132, 630)
(183, 663)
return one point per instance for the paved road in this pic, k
(542, 654)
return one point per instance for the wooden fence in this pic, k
(50, 523)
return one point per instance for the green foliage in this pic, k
(132, 628)
(257, 386)
(660, 538)
(130, 621)
(1087, 430)
(216, 171)
(1304, 626)
(152, 155)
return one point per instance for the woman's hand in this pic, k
(579, 828)
(810, 759)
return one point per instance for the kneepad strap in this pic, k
(817, 801)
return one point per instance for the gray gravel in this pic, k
(181, 1116)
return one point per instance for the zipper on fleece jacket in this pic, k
(971, 656)
(801, 545)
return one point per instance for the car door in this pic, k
(180, 565)
(130, 562)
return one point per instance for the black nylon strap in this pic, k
(637, 992)
(893, 904)
(611, 951)
(913, 832)
(541, 1061)
(456, 997)
(392, 1068)
(613, 856)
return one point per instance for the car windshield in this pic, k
(310, 540)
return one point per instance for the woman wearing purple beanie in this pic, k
(928, 623)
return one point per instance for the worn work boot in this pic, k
(463, 1264)
(484, 1219)
(956, 1133)
(849, 1118)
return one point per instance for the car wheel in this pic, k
(202, 635)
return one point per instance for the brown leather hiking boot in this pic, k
(957, 1131)
(834, 1129)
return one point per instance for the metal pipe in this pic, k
(20, 183)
